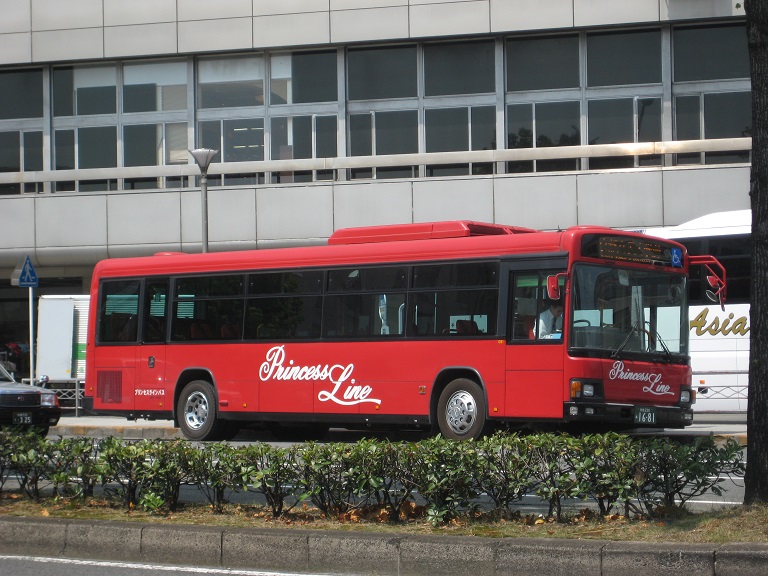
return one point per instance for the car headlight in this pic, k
(49, 399)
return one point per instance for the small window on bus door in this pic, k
(155, 311)
(118, 312)
(534, 316)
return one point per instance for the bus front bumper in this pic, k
(628, 415)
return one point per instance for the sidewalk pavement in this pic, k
(726, 426)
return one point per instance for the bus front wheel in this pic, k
(461, 410)
(196, 412)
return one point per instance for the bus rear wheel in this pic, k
(196, 412)
(461, 410)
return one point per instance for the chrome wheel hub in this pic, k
(461, 412)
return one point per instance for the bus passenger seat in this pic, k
(467, 327)
(201, 331)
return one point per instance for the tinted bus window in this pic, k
(461, 312)
(459, 275)
(208, 308)
(367, 279)
(118, 311)
(303, 282)
(283, 317)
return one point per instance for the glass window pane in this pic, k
(85, 91)
(557, 124)
(97, 147)
(325, 137)
(610, 121)
(176, 143)
(483, 128)
(461, 68)
(231, 82)
(64, 145)
(10, 152)
(397, 132)
(210, 136)
(648, 119)
(376, 73)
(728, 115)
(447, 129)
(21, 94)
(543, 63)
(687, 118)
(243, 140)
(710, 53)
(618, 58)
(155, 87)
(520, 126)
(360, 130)
(33, 151)
(141, 144)
(63, 92)
(520, 134)
(303, 77)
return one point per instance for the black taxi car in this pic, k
(27, 407)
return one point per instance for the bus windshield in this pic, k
(628, 312)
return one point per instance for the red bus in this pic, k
(435, 325)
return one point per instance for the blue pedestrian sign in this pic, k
(28, 276)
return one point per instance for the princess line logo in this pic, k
(653, 380)
(345, 391)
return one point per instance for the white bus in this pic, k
(719, 341)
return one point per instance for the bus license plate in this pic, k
(645, 415)
(22, 418)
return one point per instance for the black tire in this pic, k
(197, 412)
(461, 410)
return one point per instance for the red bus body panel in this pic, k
(363, 378)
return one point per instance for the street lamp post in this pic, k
(203, 157)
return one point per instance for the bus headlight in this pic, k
(581, 389)
(685, 396)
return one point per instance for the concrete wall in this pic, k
(69, 229)
(51, 30)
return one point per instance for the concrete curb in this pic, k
(370, 553)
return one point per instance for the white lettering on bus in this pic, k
(655, 386)
(275, 368)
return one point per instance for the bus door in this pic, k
(535, 349)
(115, 352)
(150, 387)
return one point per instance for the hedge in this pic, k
(621, 474)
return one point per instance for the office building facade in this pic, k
(336, 113)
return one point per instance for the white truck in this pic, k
(61, 335)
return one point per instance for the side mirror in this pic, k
(553, 286)
(43, 380)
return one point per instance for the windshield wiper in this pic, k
(660, 340)
(633, 328)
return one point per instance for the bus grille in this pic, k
(109, 386)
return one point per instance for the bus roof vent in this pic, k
(422, 231)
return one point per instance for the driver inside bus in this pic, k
(551, 320)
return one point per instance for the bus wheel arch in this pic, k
(459, 408)
(196, 406)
